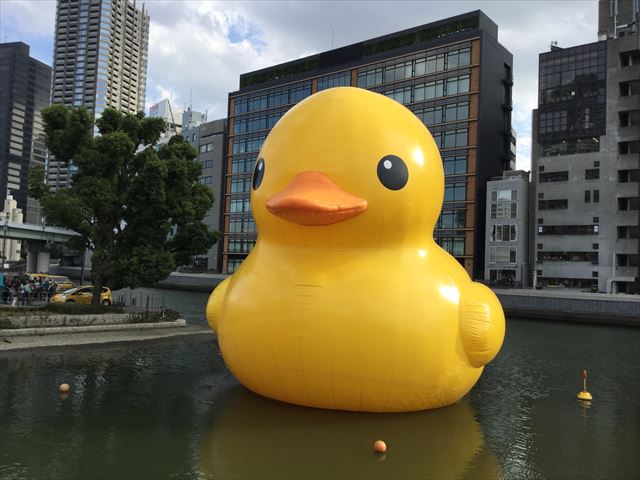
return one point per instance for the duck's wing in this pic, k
(214, 304)
(481, 323)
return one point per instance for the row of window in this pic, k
(557, 204)
(455, 165)
(242, 165)
(452, 138)
(253, 124)
(242, 225)
(240, 205)
(429, 90)
(274, 99)
(450, 112)
(568, 257)
(249, 144)
(503, 233)
(502, 254)
(240, 245)
(504, 210)
(452, 218)
(208, 147)
(570, 147)
(377, 75)
(342, 79)
(240, 184)
(453, 245)
(568, 229)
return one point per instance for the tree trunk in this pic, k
(98, 283)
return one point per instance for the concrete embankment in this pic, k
(569, 305)
(32, 330)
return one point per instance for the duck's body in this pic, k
(364, 313)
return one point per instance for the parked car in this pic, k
(82, 295)
(62, 282)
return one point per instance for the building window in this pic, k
(567, 229)
(207, 164)
(503, 233)
(591, 257)
(453, 245)
(342, 79)
(455, 165)
(559, 204)
(587, 196)
(592, 174)
(596, 196)
(553, 177)
(206, 180)
(570, 147)
(452, 218)
(455, 191)
(241, 184)
(502, 255)
(504, 204)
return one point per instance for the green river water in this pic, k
(172, 410)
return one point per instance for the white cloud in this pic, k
(203, 46)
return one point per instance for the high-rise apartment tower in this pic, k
(24, 91)
(453, 74)
(100, 60)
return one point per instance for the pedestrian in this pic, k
(2, 293)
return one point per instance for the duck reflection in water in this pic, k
(255, 437)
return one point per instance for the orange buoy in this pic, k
(379, 447)
(64, 387)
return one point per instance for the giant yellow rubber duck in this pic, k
(346, 302)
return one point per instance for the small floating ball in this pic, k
(379, 447)
(64, 387)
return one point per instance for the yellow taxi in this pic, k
(82, 295)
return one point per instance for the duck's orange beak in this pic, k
(312, 199)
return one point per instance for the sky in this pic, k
(198, 49)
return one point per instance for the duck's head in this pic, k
(347, 167)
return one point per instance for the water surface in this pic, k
(173, 410)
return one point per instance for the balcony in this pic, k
(627, 217)
(629, 189)
(627, 245)
(626, 272)
(628, 102)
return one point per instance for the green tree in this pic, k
(124, 199)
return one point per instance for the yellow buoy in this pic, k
(584, 395)
(64, 387)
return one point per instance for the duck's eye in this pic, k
(258, 173)
(393, 172)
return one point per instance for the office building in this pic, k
(507, 234)
(453, 74)
(586, 161)
(171, 115)
(100, 61)
(209, 141)
(24, 92)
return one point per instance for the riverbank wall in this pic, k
(563, 305)
(546, 304)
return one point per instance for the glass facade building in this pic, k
(452, 74)
(24, 92)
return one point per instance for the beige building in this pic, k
(10, 249)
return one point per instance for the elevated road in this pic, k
(38, 233)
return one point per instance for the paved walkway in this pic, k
(20, 342)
